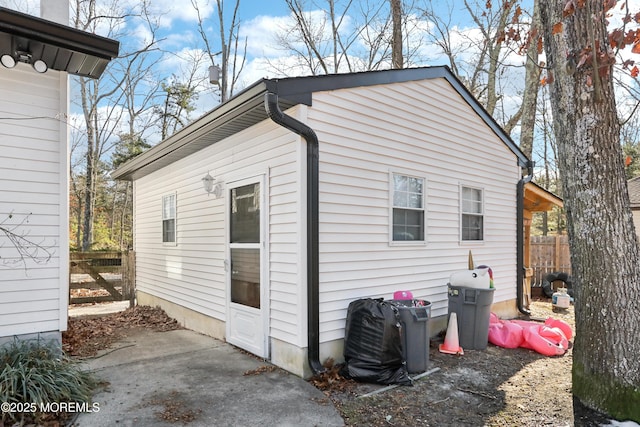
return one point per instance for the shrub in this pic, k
(40, 374)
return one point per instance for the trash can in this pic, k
(373, 343)
(473, 310)
(414, 318)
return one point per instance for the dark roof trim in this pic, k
(292, 91)
(63, 48)
(172, 148)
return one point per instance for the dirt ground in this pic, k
(493, 387)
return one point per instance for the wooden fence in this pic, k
(549, 254)
(101, 276)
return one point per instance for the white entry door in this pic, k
(247, 314)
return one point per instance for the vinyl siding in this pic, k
(419, 128)
(33, 182)
(192, 273)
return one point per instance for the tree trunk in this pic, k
(90, 166)
(225, 59)
(89, 202)
(397, 61)
(531, 85)
(604, 252)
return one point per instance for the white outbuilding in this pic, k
(262, 220)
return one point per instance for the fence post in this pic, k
(129, 271)
(556, 264)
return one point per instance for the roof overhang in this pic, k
(247, 108)
(239, 113)
(537, 199)
(61, 47)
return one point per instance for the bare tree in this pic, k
(233, 58)
(140, 90)
(526, 114)
(476, 56)
(605, 257)
(397, 60)
(100, 102)
(335, 36)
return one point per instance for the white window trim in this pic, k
(175, 219)
(391, 206)
(483, 214)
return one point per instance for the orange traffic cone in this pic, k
(451, 344)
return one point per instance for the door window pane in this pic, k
(245, 276)
(245, 214)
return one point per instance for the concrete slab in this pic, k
(79, 310)
(199, 381)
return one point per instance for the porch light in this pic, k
(40, 66)
(208, 183)
(8, 60)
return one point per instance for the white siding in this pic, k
(419, 128)
(422, 128)
(33, 183)
(191, 273)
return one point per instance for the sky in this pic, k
(261, 21)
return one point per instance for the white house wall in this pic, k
(191, 273)
(421, 128)
(33, 187)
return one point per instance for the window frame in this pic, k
(393, 207)
(165, 197)
(463, 213)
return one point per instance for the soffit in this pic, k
(61, 47)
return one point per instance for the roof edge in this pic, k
(188, 133)
(299, 90)
(45, 31)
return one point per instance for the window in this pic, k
(472, 214)
(407, 208)
(169, 218)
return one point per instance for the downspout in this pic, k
(313, 293)
(520, 239)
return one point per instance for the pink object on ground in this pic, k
(402, 295)
(551, 338)
(505, 334)
(562, 325)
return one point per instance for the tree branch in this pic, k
(26, 248)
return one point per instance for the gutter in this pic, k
(313, 293)
(520, 239)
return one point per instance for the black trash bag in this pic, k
(373, 344)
